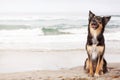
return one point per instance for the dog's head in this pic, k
(97, 22)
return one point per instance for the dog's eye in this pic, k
(99, 20)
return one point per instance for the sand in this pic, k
(76, 73)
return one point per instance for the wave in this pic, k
(115, 15)
(13, 27)
(51, 31)
(54, 26)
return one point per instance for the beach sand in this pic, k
(76, 73)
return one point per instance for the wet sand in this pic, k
(27, 60)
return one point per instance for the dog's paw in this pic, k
(86, 70)
(91, 75)
(101, 73)
(96, 75)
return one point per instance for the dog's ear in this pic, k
(91, 15)
(106, 19)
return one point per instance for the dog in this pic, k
(96, 64)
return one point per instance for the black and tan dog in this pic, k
(95, 64)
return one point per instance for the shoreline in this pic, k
(76, 73)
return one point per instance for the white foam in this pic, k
(81, 31)
(112, 35)
(33, 38)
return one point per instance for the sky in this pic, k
(58, 6)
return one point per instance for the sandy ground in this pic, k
(76, 73)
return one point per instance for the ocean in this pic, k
(50, 32)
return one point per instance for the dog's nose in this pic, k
(94, 22)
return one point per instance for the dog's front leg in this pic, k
(90, 66)
(99, 66)
(100, 59)
(89, 52)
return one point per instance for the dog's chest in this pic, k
(94, 47)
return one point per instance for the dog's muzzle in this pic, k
(94, 24)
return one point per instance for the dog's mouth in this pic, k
(94, 25)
